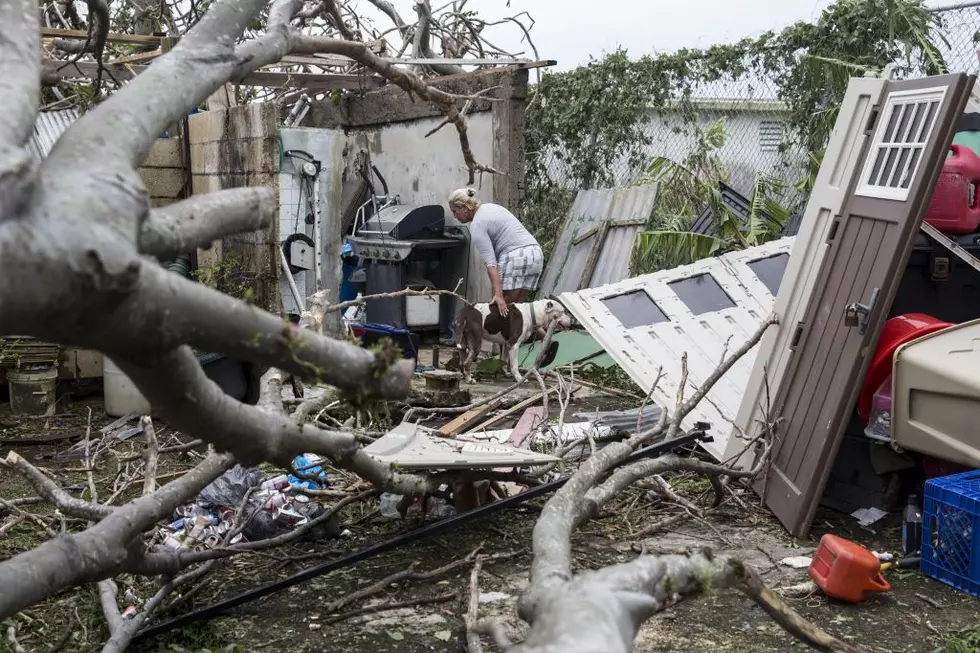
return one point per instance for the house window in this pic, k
(770, 270)
(904, 127)
(701, 294)
(770, 135)
(635, 309)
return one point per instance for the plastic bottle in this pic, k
(912, 526)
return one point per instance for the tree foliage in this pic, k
(594, 116)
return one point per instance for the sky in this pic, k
(571, 30)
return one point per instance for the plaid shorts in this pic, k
(521, 268)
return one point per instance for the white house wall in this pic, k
(425, 170)
(326, 146)
(836, 171)
(646, 351)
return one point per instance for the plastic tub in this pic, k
(32, 390)
(896, 332)
(121, 395)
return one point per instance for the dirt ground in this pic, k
(297, 619)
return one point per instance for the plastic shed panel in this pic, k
(936, 394)
(583, 230)
(870, 243)
(410, 446)
(841, 158)
(704, 309)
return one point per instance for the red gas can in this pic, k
(954, 208)
(846, 571)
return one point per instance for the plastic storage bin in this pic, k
(953, 207)
(950, 525)
(896, 332)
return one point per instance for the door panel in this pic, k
(825, 204)
(869, 248)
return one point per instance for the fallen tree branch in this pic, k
(183, 226)
(53, 493)
(473, 610)
(183, 394)
(602, 610)
(99, 552)
(385, 607)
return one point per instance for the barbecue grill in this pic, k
(409, 246)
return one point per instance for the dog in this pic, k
(478, 322)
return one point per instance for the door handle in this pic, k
(857, 314)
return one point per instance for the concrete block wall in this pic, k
(163, 171)
(231, 148)
(391, 127)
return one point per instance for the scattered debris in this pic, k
(797, 562)
(868, 516)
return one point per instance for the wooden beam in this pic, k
(466, 420)
(135, 58)
(313, 81)
(116, 37)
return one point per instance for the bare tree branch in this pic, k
(421, 43)
(245, 332)
(52, 492)
(200, 220)
(19, 72)
(101, 551)
(183, 394)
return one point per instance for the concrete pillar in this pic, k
(508, 140)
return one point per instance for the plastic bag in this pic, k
(303, 465)
(229, 489)
(880, 420)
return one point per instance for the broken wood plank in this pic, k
(311, 81)
(115, 37)
(530, 401)
(466, 420)
(530, 420)
(594, 254)
(135, 58)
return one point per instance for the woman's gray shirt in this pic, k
(496, 231)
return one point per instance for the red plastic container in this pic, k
(896, 332)
(951, 209)
(846, 571)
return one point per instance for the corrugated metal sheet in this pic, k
(625, 420)
(646, 324)
(589, 211)
(48, 128)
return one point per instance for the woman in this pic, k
(513, 257)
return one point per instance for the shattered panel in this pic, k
(706, 310)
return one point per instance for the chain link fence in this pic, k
(746, 124)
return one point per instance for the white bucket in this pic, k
(120, 394)
(32, 390)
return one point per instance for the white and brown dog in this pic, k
(478, 322)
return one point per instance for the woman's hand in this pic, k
(501, 304)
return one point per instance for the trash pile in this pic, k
(273, 508)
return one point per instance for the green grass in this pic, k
(965, 641)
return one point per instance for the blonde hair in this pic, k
(465, 197)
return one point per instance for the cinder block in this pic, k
(165, 153)
(163, 182)
(207, 126)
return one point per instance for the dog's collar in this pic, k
(533, 320)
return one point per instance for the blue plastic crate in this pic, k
(951, 531)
